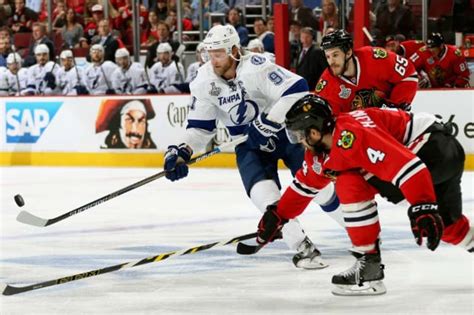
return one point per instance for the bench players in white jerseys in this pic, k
(256, 46)
(14, 78)
(42, 77)
(129, 77)
(167, 74)
(71, 78)
(194, 67)
(98, 74)
(249, 94)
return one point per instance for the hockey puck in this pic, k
(19, 200)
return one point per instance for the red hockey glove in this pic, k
(270, 226)
(426, 222)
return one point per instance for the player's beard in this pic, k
(318, 147)
(221, 70)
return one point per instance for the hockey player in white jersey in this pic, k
(71, 79)
(129, 77)
(256, 46)
(98, 74)
(194, 67)
(167, 75)
(14, 78)
(43, 76)
(249, 94)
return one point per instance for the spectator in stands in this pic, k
(5, 49)
(5, 32)
(234, 17)
(150, 35)
(92, 26)
(311, 60)
(209, 6)
(23, 18)
(295, 44)
(329, 15)
(39, 37)
(106, 40)
(77, 5)
(172, 22)
(393, 18)
(72, 32)
(59, 15)
(161, 9)
(6, 10)
(271, 24)
(123, 21)
(164, 37)
(304, 15)
(265, 36)
(241, 3)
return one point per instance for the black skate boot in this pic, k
(363, 278)
(308, 256)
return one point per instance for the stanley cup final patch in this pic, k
(347, 139)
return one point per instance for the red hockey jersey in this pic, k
(449, 70)
(409, 47)
(382, 77)
(371, 140)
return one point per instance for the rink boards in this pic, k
(73, 131)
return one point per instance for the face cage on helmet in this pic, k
(295, 136)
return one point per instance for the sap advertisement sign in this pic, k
(27, 121)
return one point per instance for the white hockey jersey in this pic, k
(96, 83)
(69, 79)
(9, 82)
(130, 81)
(259, 86)
(163, 77)
(36, 82)
(192, 71)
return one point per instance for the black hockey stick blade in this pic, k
(245, 249)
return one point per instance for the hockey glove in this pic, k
(110, 92)
(151, 89)
(81, 90)
(50, 80)
(262, 134)
(175, 161)
(270, 225)
(426, 222)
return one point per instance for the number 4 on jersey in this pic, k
(375, 155)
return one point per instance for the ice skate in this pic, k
(363, 278)
(308, 256)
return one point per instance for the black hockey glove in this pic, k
(175, 159)
(81, 90)
(50, 80)
(110, 92)
(262, 134)
(151, 89)
(270, 225)
(426, 222)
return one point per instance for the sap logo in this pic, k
(27, 121)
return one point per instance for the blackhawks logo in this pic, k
(380, 53)
(458, 53)
(347, 140)
(320, 86)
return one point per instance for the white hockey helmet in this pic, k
(222, 36)
(14, 58)
(255, 43)
(66, 54)
(121, 53)
(164, 47)
(98, 47)
(41, 49)
(200, 47)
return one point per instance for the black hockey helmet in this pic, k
(337, 38)
(435, 40)
(311, 111)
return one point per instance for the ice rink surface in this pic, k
(210, 205)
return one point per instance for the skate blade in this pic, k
(368, 288)
(311, 264)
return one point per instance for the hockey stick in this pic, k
(11, 290)
(31, 219)
(368, 35)
(244, 249)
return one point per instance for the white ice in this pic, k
(210, 205)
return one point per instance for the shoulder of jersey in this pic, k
(204, 76)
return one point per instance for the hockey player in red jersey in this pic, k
(444, 64)
(413, 154)
(364, 77)
(402, 47)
